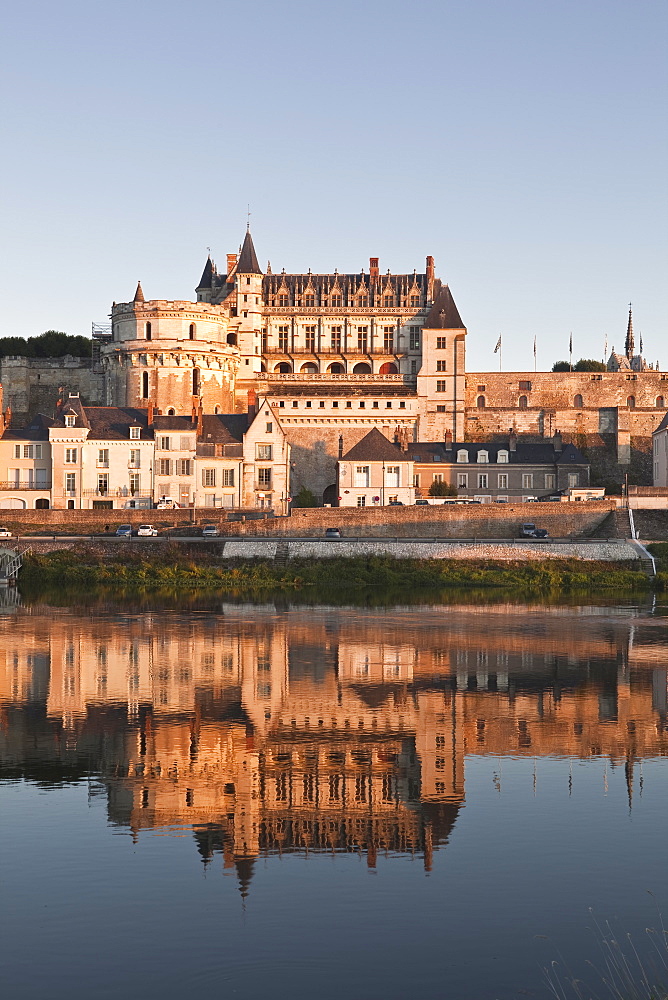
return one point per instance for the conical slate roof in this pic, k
(206, 281)
(443, 314)
(247, 263)
(139, 294)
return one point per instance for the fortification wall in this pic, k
(32, 385)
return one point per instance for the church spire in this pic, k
(139, 295)
(630, 343)
(248, 263)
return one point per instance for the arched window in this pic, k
(577, 402)
(195, 381)
(660, 403)
(144, 385)
(171, 412)
(631, 402)
(232, 339)
(388, 368)
(284, 368)
(216, 409)
(310, 368)
(362, 368)
(523, 402)
(336, 368)
(480, 402)
(483, 457)
(191, 331)
(148, 331)
(462, 455)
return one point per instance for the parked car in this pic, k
(147, 531)
(422, 503)
(332, 533)
(395, 503)
(5, 533)
(124, 531)
(209, 531)
(529, 530)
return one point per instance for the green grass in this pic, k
(75, 568)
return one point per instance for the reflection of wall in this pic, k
(323, 729)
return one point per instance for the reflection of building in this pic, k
(328, 729)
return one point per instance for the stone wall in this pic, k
(33, 385)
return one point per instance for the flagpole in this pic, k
(535, 362)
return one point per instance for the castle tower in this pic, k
(441, 381)
(249, 306)
(173, 354)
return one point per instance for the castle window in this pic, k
(283, 300)
(440, 409)
(144, 385)
(191, 331)
(363, 302)
(388, 300)
(441, 343)
(415, 300)
(526, 386)
(309, 301)
(631, 402)
(660, 403)
(442, 365)
(337, 300)
(480, 402)
(388, 339)
(441, 385)
(414, 342)
(482, 388)
(523, 402)
(402, 405)
(148, 331)
(577, 402)
(196, 385)
(171, 412)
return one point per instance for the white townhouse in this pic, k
(660, 454)
(25, 466)
(374, 473)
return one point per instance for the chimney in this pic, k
(200, 420)
(252, 404)
(340, 445)
(430, 277)
(231, 263)
(8, 417)
(373, 268)
(556, 443)
(447, 440)
(512, 444)
(149, 413)
(193, 414)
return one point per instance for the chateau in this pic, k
(336, 356)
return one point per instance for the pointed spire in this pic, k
(248, 263)
(139, 295)
(630, 345)
(206, 281)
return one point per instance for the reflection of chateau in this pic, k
(323, 729)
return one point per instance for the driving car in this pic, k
(209, 531)
(124, 531)
(332, 533)
(147, 531)
(5, 533)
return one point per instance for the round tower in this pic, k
(174, 354)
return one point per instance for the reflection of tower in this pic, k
(244, 867)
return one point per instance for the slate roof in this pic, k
(167, 423)
(206, 281)
(248, 263)
(347, 285)
(443, 314)
(224, 428)
(541, 453)
(664, 423)
(112, 423)
(37, 430)
(375, 447)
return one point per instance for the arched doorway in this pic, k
(330, 496)
(480, 402)
(309, 368)
(283, 368)
(362, 368)
(523, 403)
(336, 368)
(388, 368)
(12, 503)
(42, 504)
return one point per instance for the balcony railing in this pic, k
(408, 380)
(14, 485)
(121, 491)
(377, 349)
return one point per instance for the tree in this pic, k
(561, 366)
(589, 365)
(50, 344)
(305, 499)
(439, 489)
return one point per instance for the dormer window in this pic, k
(134, 433)
(483, 457)
(462, 455)
(70, 420)
(502, 457)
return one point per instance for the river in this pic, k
(436, 800)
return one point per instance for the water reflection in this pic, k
(267, 730)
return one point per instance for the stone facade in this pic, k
(33, 385)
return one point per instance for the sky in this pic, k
(521, 143)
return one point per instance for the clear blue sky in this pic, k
(523, 143)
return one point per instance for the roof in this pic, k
(37, 430)
(112, 423)
(373, 289)
(247, 263)
(443, 314)
(224, 428)
(540, 453)
(206, 281)
(167, 423)
(375, 447)
(663, 425)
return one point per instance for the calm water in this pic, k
(319, 802)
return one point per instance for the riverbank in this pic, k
(170, 567)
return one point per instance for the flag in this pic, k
(570, 344)
(641, 345)
(534, 347)
(498, 345)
